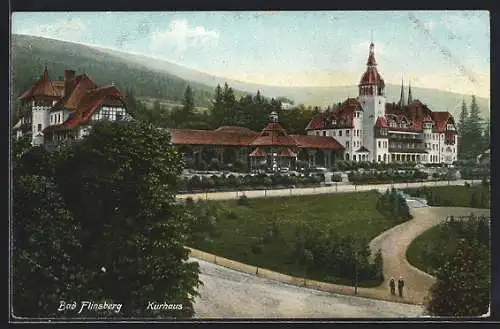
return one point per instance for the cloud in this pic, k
(67, 30)
(180, 37)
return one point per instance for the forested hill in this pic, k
(31, 54)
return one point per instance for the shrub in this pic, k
(195, 182)
(202, 165)
(243, 200)
(215, 164)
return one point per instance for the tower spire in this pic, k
(402, 97)
(410, 97)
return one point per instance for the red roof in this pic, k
(371, 77)
(44, 87)
(317, 142)
(88, 104)
(381, 122)
(211, 137)
(235, 129)
(345, 111)
(287, 153)
(83, 84)
(441, 118)
(258, 152)
(274, 141)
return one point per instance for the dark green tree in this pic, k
(45, 242)
(475, 131)
(120, 183)
(462, 130)
(463, 283)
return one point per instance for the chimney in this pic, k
(69, 81)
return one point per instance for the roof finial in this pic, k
(371, 35)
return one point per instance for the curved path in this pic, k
(231, 294)
(394, 242)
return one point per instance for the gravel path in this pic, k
(396, 240)
(340, 188)
(231, 294)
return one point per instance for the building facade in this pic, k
(56, 110)
(371, 129)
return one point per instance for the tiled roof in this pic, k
(345, 111)
(211, 137)
(371, 76)
(317, 142)
(83, 84)
(274, 141)
(44, 87)
(235, 129)
(441, 118)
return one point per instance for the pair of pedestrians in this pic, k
(392, 286)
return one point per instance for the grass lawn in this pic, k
(454, 196)
(238, 227)
(431, 249)
(419, 250)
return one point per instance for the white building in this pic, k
(55, 110)
(371, 129)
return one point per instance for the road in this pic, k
(230, 294)
(339, 188)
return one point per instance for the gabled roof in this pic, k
(381, 122)
(362, 149)
(258, 152)
(345, 111)
(441, 118)
(44, 87)
(317, 142)
(82, 85)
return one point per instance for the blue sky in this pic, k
(448, 50)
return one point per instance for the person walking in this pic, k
(401, 284)
(392, 286)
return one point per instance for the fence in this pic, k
(334, 188)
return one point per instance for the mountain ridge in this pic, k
(204, 83)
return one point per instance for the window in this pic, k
(347, 156)
(379, 145)
(354, 157)
(340, 133)
(379, 158)
(347, 133)
(317, 133)
(347, 145)
(39, 127)
(324, 132)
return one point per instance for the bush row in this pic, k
(233, 182)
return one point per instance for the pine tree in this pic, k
(463, 131)
(188, 104)
(474, 136)
(486, 136)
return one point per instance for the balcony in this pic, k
(407, 150)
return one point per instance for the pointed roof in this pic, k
(371, 75)
(287, 153)
(381, 123)
(410, 97)
(43, 87)
(371, 56)
(362, 149)
(402, 96)
(258, 152)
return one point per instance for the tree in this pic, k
(486, 135)
(462, 129)
(188, 104)
(120, 183)
(474, 130)
(463, 282)
(45, 238)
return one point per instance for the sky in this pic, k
(447, 50)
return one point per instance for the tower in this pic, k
(372, 99)
(410, 97)
(402, 97)
(41, 103)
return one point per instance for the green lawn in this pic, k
(420, 250)
(239, 227)
(476, 196)
(431, 249)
